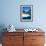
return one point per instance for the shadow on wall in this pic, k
(2, 26)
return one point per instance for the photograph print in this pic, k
(26, 13)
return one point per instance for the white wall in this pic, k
(10, 13)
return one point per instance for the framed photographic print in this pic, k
(26, 13)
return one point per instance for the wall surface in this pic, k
(10, 13)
